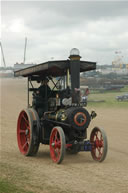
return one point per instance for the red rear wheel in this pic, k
(57, 145)
(26, 134)
(99, 143)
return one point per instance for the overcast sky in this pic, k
(98, 29)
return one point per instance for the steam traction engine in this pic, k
(58, 117)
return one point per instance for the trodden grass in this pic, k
(9, 187)
(21, 179)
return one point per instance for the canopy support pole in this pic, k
(28, 92)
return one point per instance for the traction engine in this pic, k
(58, 117)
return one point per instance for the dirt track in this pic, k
(77, 173)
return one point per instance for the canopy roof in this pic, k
(53, 68)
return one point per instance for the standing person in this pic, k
(43, 93)
(44, 90)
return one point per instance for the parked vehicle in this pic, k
(122, 97)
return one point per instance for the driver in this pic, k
(44, 90)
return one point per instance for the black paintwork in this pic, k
(51, 117)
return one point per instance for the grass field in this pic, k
(109, 97)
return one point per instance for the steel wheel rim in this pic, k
(55, 145)
(23, 132)
(97, 145)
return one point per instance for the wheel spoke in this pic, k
(28, 139)
(22, 131)
(99, 150)
(58, 151)
(58, 144)
(56, 138)
(96, 134)
(101, 143)
(26, 143)
(27, 122)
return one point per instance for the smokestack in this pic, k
(75, 74)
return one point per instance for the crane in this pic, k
(2, 54)
(25, 50)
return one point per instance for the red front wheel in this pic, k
(99, 143)
(57, 145)
(26, 134)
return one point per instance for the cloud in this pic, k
(98, 29)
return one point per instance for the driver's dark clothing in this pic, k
(44, 91)
(40, 100)
(44, 94)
